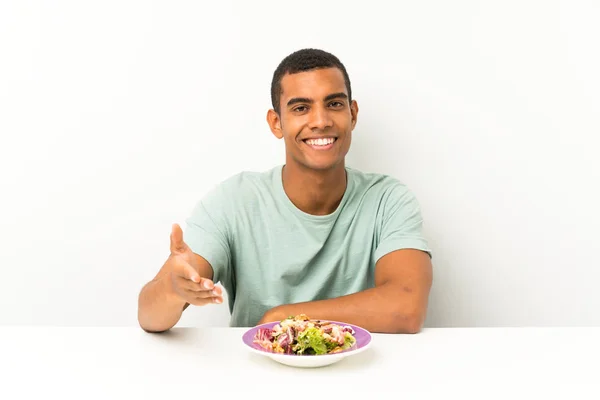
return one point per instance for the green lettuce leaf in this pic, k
(310, 341)
(349, 341)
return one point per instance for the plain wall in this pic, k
(117, 116)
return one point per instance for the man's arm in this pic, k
(161, 301)
(184, 279)
(397, 303)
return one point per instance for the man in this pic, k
(310, 237)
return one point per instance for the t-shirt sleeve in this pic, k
(207, 235)
(401, 223)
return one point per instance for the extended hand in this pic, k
(185, 277)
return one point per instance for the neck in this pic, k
(314, 192)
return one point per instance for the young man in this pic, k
(312, 236)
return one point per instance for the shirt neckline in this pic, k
(278, 183)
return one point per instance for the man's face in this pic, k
(316, 118)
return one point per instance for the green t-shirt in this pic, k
(266, 252)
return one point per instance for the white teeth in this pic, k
(320, 142)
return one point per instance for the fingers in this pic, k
(202, 297)
(177, 243)
(203, 301)
(202, 294)
(205, 285)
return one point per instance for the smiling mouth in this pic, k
(321, 143)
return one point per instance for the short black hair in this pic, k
(305, 60)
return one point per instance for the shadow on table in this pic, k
(179, 337)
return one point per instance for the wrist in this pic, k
(275, 314)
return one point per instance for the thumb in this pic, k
(177, 243)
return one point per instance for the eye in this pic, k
(300, 109)
(336, 104)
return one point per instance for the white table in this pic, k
(198, 363)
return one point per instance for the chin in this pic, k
(323, 166)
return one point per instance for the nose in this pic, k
(320, 119)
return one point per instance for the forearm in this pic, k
(371, 309)
(159, 308)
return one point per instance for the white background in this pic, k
(117, 116)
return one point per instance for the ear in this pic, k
(274, 123)
(354, 112)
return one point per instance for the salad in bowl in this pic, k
(299, 335)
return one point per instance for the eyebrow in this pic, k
(294, 100)
(339, 95)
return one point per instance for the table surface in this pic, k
(482, 363)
